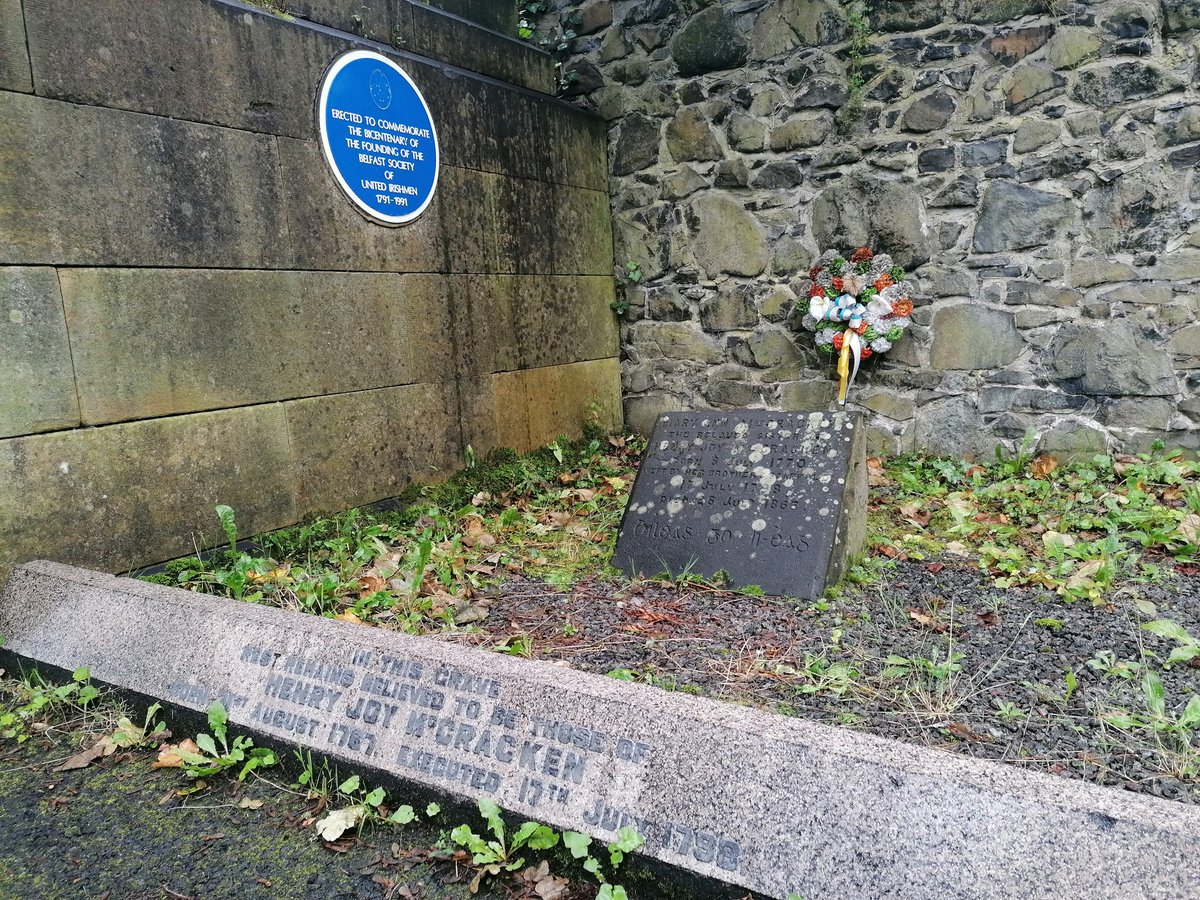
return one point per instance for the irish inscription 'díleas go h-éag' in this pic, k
(436, 723)
(772, 499)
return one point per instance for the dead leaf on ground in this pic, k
(1043, 465)
(876, 473)
(370, 584)
(916, 513)
(1190, 528)
(84, 758)
(249, 803)
(348, 616)
(545, 885)
(476, 612)
(172, 755)
(926, 621)
(965, 733)
(989, 618)
(338, 822)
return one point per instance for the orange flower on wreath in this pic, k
(837, 284)
(816, 291)
(902, 307)
(866, 353)
(883, 281)
(862, 254)
(838, 340)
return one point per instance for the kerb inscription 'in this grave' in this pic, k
(773, 499)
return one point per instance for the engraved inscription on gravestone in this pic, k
(454, 728)
(773, 499)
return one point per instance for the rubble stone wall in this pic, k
(1033, 163)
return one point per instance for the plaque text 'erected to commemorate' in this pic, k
(378, 137)
(773, 499)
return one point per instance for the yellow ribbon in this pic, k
(843, 370)
(851, 345)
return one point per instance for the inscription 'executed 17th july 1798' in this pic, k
(773, 499)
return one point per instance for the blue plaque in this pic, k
(378, 137)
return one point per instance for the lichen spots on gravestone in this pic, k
(749, 485)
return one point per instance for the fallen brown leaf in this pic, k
(1043, 465)
(965, 733)
(84, 758)
(169, 756)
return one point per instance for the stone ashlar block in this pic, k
(513, 409)
(770, 803)
(430, 32)
(497, 16)
(371, 19)
(561, 399)
(217, 338)
(130, 190)
(352, 449)
(507, 225)
(140, 492)
(327, 231)
(563, 319)
(37, 387)
(507, 322)
(259, 72)
(14, 56)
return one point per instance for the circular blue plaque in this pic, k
(378, 137)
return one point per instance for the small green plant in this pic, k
(579, 845)
(859, 46)
(498, 854)
(1189, 646)
(35, 701)
(218, 754)
(1009, 712)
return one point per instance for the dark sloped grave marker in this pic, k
(774, 499)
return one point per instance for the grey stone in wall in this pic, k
(204, 196)
(726, 238)
(972, 336)
(1013, 217)
(1113, 359)
(707, 43)
(868, 211)
(14, 57)
(37, 388)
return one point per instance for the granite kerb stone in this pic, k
(762, 801)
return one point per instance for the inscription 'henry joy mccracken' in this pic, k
(452, 727)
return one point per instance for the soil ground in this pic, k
(933, 653)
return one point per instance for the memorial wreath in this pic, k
(857, 308)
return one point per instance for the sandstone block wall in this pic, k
(1032, 161)
(191, 313)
